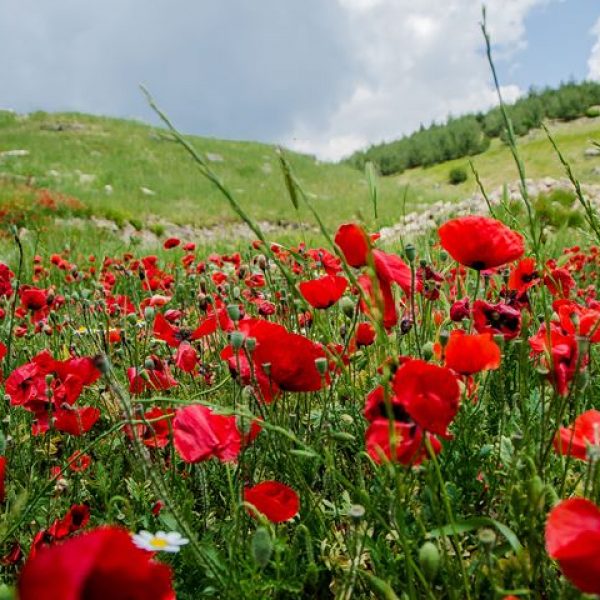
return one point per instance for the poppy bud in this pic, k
(347, 306)
(410, 252)
(149, 364)
(535, 490)
(444, 337)
(321, 364)
(149, 314)
(427, 350)
(250, 344)
(235, 292)
(429, 560)
(262, 546)
(233, 310)
(261, 261)
(443, 255)
(237, 339)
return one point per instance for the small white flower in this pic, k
(159, 541)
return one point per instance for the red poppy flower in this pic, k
(573, 539)
(281, 360)
(365, 334)
(480, 242)
(578, 319)
(276, 501)
(33, 298)
(200, 434)
(460, 310)
(408, 443)
(559, 282)
(323, 292)
(354, 243)
(163, 330)
(386, 297)
(496, 318)
(429, 394)
(576, 440)
(79, 462)
(154, 434)
(171, 243)
(103, 563)
(467, 354)
(75, 421)
(158, 377)
(523, 276)
(186, 358)
(559, 354)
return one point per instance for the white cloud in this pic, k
(421, 61)
(594, 59)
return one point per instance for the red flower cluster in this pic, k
(356, 247)
(280, 360)
(49, 388)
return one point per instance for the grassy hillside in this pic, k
(496, 165)
(80, 155)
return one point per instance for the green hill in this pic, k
(127, 171)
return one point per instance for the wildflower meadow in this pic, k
(356, 418)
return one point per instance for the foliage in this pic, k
(471, 134)
(457, 175)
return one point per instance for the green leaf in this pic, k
(288, 179)
(476, 523)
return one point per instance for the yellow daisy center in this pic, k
(158, 543)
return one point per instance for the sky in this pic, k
(325, 77)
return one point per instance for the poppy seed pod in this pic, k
(237, 339)
(347, 306)
(410, 253)
(233, 310)
(149, 313)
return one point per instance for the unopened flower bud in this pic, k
(149, 313)
(233, 310)
(321, 364)
(237, 339)
(429, 560)
(250, 344)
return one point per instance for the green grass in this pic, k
(496, 165)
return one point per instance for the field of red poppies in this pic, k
(282, 422)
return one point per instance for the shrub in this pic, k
(592, 112)
(457, 175)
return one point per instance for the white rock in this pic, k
(9, 153)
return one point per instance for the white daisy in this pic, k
(159, 541)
